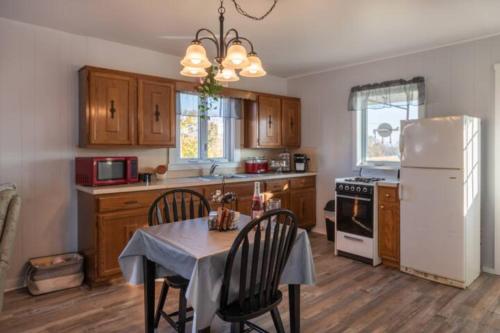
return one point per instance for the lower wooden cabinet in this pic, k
(303, 204)
(107, 222)
(114, 230)
(388, 226)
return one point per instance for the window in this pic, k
(380, 108)
(204, 138)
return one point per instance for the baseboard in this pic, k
(13, 284)
(490, 270)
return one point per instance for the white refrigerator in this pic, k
(440, 199)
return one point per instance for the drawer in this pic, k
(240, 189)
(123, 201)
(387, 194)
(354, 244)
(278, 185)
(302, 182)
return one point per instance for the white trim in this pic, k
(358, 163)
(496, 131)
(489, 270)
(353, 64)
(200, 165)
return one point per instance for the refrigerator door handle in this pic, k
(400, 191)
(401, 144)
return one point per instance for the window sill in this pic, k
(200, 165)
(394, 166)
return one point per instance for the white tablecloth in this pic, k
(189, 249)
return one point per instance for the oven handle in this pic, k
(353, 197)
(353, 238)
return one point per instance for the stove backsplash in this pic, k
(385, 173)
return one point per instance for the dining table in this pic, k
(189, 249)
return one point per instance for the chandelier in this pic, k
(231, 55)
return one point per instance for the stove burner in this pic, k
(364, 179)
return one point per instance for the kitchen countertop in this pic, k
(184, 182)
(388, 183)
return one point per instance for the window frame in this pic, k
(230, 132)
(359, 152)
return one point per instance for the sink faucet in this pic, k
(213, 167)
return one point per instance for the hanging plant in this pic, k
(209, 91)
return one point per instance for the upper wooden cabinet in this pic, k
(119, 108)
(272, 122)
(290, 125)
(156, 113)
(269, 122)
(110, 108)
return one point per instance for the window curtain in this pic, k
(187, 105)
(396, 93)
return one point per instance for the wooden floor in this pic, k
(349, 297)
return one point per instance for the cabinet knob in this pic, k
(112, 109)
(157, 113)
(381, 206)
(387, 195)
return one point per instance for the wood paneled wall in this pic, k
(39, 126)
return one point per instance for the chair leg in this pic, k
(181, 324)
(238, 327)
(161, 303)
(277, 320)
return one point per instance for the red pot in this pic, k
(256, 165)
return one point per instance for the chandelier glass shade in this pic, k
(231, 54)
(194, 72)
(254, 67)
(226, 75)
(196, 57)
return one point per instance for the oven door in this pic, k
(355, 214)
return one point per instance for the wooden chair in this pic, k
(260, 272)
(174, 206)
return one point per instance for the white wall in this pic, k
(39, 127)
(459, 80)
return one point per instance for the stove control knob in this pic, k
(365, 189)
(358, 189)
(341, 187)
(352, 188)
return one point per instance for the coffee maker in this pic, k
(300, 162)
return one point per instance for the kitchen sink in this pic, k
(218, 177)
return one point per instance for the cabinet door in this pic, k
(112, 99)
(388, 233)
(244, 195)
(303, 204)
(291, 122)
(156, 113)
(244, 204)
(114, 230)
(284, 197)
(269, 121)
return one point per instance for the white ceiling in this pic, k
(298, 37)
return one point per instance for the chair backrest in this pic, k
(273, 237)
(178, 205)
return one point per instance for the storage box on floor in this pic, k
(48, 274)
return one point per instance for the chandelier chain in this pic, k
(240, 10)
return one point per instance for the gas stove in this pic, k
(356, 217)
(365, 180)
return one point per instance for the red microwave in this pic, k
(95, 171)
